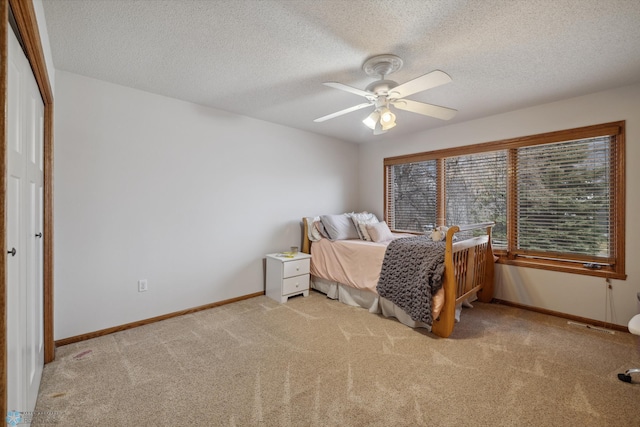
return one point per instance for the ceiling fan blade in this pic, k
(349, 89)
(341, 112)
(431, 110)
(428, 81)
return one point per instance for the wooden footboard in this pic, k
(468, 269)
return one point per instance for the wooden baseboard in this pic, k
(108, 331)
(597, 323)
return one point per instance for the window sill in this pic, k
(561, 267)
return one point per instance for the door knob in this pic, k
(12, 252)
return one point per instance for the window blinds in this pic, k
(412, 196)
(564, 199)
(476, 191)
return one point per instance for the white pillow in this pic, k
(362, 226)
(312, 231)
(379, 232)
(320, 229)
(360, 220)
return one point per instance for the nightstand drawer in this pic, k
(295, 284)
(296, 268)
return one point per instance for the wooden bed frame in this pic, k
(468, 269)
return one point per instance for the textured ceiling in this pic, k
(267, 59)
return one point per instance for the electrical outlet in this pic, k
(142, 285)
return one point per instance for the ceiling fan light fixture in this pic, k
(372, 120)
(387, 126)
(387, 118)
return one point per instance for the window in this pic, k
(557, 199)
(413, 204)
(476, 189)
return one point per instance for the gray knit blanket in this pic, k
(411, 274)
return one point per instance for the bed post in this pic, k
(443, 326)
(486, 293)
(306, 244)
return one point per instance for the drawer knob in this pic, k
(297, 268)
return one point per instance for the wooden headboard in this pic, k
(306, 243)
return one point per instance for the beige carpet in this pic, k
(317, 362)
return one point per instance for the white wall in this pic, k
(566, 293)
(189, 198)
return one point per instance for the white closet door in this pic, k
(25, 335)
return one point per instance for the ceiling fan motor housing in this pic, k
(381, 87)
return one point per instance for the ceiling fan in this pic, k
(383, 94)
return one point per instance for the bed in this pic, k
(348, 269)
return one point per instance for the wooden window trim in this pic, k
(522, 258)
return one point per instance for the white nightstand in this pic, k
(287, 277)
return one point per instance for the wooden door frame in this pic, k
(24, 14)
